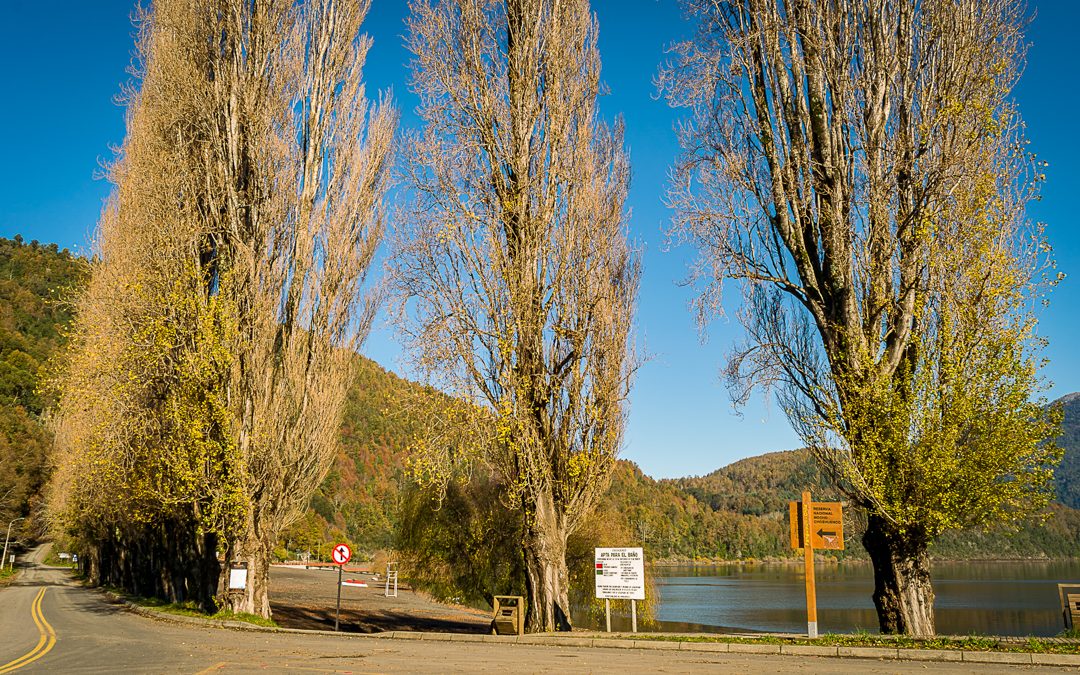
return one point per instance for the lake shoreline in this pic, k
(839, 561)
(1007, 598)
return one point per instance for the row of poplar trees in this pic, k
(857, 166)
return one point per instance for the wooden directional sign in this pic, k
(828, 526)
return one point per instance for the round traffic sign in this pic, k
(341, 554)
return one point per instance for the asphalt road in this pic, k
(49, 623)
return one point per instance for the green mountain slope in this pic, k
(33, 279)
(1067, 476)
(738, 511)
(361, 496)
(761, 484)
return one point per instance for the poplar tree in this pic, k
(858, 167)
(213, 347)
(514, 280)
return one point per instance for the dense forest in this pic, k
(736, 512)
(368, 498)
(34, 278)
(1067, 475)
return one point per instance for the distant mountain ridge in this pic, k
(760, 484)
(738, 511)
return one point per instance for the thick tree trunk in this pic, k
(255, 599)
(208, 571)
(903, 594)
(546, 576)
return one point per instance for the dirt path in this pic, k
(303, 598)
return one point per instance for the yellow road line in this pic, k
(45, 642)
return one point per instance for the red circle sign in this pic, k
(341, 554)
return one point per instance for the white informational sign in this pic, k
(620, 573)
(238, 578)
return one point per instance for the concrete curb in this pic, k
(869, 652)
(550, 640)
(931, 654)
(1056, 659)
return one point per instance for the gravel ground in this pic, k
(302, 598)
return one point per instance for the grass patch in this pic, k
(193, 610)
(7, 576)
(863, 639)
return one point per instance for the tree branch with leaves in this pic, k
(514, 280)
(859, 169)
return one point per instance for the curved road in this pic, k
(50, 623)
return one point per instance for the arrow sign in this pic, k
(341, 554)
(827, 517)
(829, 538)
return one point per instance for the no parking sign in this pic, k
(341, 554)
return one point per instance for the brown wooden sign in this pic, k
(827, 531)
(795, 529)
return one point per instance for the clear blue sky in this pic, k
(64, 63)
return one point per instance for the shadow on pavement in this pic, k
(353, 621)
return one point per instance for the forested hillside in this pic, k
(1067, 476)
(736, 512)
(739, 511)
(360, 497)
(33, 279)
(761, 487)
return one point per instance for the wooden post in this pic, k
(607, 613)
(633, 616)
(808, 559)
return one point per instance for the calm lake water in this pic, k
(987, 598)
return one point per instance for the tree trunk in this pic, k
(903, 594)
(255, 599)
(208, 572)
(546, 576)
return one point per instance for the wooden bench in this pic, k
(1069, 594)
(1072, 604)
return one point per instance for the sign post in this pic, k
(620, 574)
(341, 555)
(808, 561)
(814, 525)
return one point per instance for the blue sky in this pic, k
(64, 63)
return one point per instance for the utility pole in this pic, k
(7, 537)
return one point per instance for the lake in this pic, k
(987, 598)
